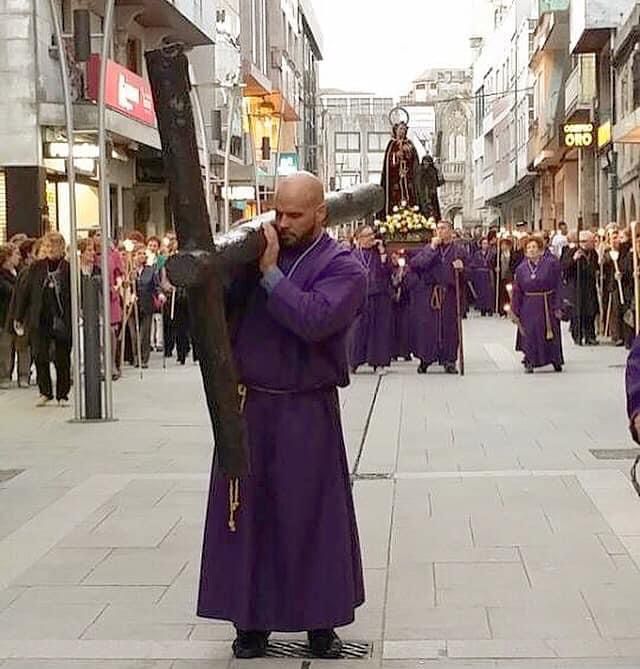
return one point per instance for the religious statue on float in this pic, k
(401, 167)
(429, 180)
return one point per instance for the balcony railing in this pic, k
(580, 89)
(453, 170)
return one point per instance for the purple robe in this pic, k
(483, 280)
(536, 300)
(400, 286)
(434, 309)
(633, 386)
(294, 562)
(372, 332)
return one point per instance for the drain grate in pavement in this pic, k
(372, 477)
(615, 453)
(353, 650)
(8, 474)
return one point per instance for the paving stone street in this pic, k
(492, 535)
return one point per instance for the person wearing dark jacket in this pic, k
(581, 269)
(9, 261)
(147, 295)
(44, 310)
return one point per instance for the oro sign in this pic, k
(578, 135)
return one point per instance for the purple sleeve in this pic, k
(424, 260)
(633, 385)
(516, 297)
(325, 310)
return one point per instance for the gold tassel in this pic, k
(234, 484)
(234, 503)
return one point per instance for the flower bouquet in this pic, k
(405, 224)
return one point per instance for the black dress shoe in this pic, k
(250, 645)
(592, 342)
(557, 368)
(450, 368)
(423, 368)
(528, 368)
(325, 644)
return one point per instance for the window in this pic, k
(480, 111)
(377, 141)
(134, 56)
(348, 163)
(348, 141)
(376, 161)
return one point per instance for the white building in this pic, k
(503, 91)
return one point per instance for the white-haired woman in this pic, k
(44, 310)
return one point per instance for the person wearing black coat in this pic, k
(9, 261)
(581, 268)
(44, 310)
(147, 296)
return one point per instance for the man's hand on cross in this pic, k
(269, 258)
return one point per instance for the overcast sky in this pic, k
(382, 46)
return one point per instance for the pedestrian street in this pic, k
(492, 535)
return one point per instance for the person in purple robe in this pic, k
(537, 307)
(371, 334)
(483, 273)
(633, 390)
(400, 287)
(435, 336)
(287, 558)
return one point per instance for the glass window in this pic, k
(375, 161)
(377, 141)
(348, 162)
(348, 141)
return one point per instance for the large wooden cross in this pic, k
(202, 260)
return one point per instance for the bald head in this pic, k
(300, 208)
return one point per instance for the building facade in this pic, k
(33, 192)
(503, 97)
(355, 131)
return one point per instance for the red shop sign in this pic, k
(125, 91)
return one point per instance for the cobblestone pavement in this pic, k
(492, 536)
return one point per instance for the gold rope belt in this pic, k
(234, 484)
(549, 336)
(437, 297)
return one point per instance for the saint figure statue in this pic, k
(430, 179)
(400, 171)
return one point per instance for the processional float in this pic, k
(203, 262)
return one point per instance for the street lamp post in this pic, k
(73, 224)
(105, 228)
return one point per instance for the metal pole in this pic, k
(231, 103)
(73, 223)
(636, 275)
(104, 212)
(255, 165)
(197, 106)
(279, 147)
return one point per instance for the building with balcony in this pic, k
(551, 67)
(281, 46)
(593, 26)
(33, 190)
(503, 95)
(626, 130)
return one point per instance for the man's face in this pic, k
(97, 243)
(564, 229)
(445, 233)
(153, 246)
(485, 244)
(588, 243)
(614, 239)
(141, 257)
(296, 221)
(367, 238)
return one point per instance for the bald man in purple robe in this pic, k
(293, 562)
(434, 310)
